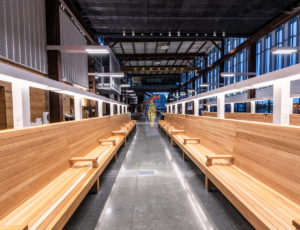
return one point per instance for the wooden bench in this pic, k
(46, 171)
(255, 165)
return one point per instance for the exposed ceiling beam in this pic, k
(216, 45)
(179, 68)
(160, 56)
(154, 75)
(158, 39)
(200, 48)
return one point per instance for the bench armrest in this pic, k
(185, 140)
(177, 131)
(296, 223)
(210, 158)
(13, 227)
(119, 132)
(78, 159)
(113, 141)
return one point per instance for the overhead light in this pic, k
(157, 62)
(97, 51)
(142, 34)
(203, 85)
(129, 91)
(223, 34)
(170, 33)
(215, 34)
(125, 85)
(124, 33)
(197, 35)
(284, 50)
(160, 34)
(151, 34)
(164, 45)
(191, 90)
(133, 33)
(229, 74)
(178, 33)
(116, 75)
(187, 34)
(205, 34)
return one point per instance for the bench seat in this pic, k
(54, 199)
(254, 165)
(269, 209)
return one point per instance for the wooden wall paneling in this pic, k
(8, 104)
(295, 119)
(3, 121)
(39, 103)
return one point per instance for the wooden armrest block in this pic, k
(109, 140)
(13, 227)
(185, 140)
(78, 159)
(210, 158)
(296, 223)
(119, 132)
(177, 131)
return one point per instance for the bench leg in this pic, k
(124, 142)
(96, 187)
(172, 141)
(115, 157)
(183, 156)
(207, 183)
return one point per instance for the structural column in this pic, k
(118, 109)
(232, 107)
(281, 96)
(78, 108)
(220, 106)
(196, 107)
(111, 109)
(100, 108)
(21, 105)
(252, 106)
(183, 108)
(176, 108)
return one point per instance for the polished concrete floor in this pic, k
(151, 187)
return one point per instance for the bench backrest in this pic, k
(178, 121)
(267, 152)
(30, 158)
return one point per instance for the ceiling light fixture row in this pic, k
(214, 34)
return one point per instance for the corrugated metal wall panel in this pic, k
(74, 66)
(23, 33)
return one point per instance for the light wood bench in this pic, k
(255, 165)
(46, 171)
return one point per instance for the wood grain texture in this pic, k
(39, 103)
(8, 104)
(263, 182)
(34, 160)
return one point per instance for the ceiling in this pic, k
(235, 17)
(152, 49)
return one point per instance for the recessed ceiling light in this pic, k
(215, 34)
(170, 33)
(133, 33)
(178, 33)
(124, 33)
(223, 34)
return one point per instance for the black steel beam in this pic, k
(160, 56)
(176, 68)
(154, 75)
(158, 39)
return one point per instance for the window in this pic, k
(267, 53)
(278, 42)
(241, 107)
(227, 108)
(213, 109)
(296, 105)
(258, 57)
(179, 108)
(293, 38)
(264, 106)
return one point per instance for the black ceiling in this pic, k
(235, 17)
